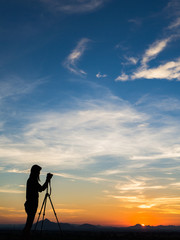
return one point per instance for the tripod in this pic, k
(43, 208)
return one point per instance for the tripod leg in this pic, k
(44, 212)
(43, 204)
(55, 215)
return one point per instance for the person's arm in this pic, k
(45, 185)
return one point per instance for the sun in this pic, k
(142, 224)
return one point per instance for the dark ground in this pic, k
(92, 235)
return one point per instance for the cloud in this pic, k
(68, 210)
(169, 70)
(123, 77)
(11, 209)
(15, 170)
(72, 59)
(13, 86)
(143, 193)
(99, 75)
(109, 142)
(175, 24)
(6, 189)
(154, 50)
(132, 60)
(71, 139)
(159, 203)
(74, 177)
(166, 104)
(137, 184)
(136, 21)
(111, 172)
(125, 198)
(91, 133)
(173, 7)
(146, 206)
(74, 6)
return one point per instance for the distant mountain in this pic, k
(53, 226)
(48, 225)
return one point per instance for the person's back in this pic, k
(32, 195)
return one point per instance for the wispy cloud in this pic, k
(146, 206)
(175, 24)
(95, 131)
(144, 194)
(123, 77)
(111, 172)
(138, 185)
(15, 170)
(136, 21)
(11, 209)
(75, 177)
(99, 75)
(68, 210)
(169, 70)
(173, 8)
(154, 50)
(131, 60)
(74, 6)
(7, 189)
(122, 139)
(13, 86)
(71, 61)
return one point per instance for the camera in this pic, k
(49, 175)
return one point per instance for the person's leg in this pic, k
(28, 225)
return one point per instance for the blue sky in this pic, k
(89, 90)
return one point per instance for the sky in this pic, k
(89, 90)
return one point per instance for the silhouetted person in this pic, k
(32, 195)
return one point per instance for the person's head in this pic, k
(35, 172)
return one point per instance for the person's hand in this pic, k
(49, 176)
